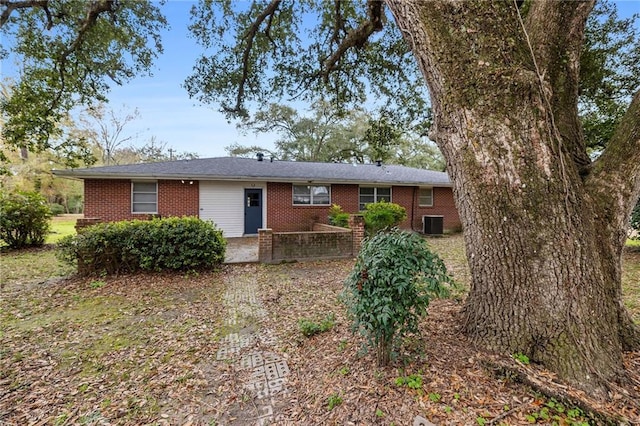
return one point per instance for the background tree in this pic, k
(106, 128)
(609, 73)
(544, 225)
(68, 54)
(331, 135)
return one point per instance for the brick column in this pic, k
(356, 223)
(265, 245)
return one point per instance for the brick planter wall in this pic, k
(327, 242)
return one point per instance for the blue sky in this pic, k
(167, 112)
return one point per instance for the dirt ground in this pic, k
(141, 349)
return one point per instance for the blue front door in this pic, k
(252, 210)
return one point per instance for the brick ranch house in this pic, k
(242, 195)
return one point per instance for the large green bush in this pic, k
(186, 243)
(24, 219)
(390, 287)
(382, 215)
(337, 217)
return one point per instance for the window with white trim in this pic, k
(373, 195)
(314, 195)
(425, 197)
(144, 197)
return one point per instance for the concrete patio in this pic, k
(242, 250)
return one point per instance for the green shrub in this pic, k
(389, 289)
(186, 243)
(57, 209)
(635, 217)
(24, 219)
(337, 217)
(382, 215)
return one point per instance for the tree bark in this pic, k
(543, 243)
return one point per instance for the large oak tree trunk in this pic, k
(543, 240)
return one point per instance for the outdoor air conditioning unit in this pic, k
(433, 225)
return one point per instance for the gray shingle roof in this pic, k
(235, 168)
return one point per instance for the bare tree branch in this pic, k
(249, 38)
(357, 37)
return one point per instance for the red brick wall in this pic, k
(283, 216)
(110, 199)
(443, 205)
(178, 199)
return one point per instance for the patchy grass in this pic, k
(31, 265)
(122, 353)
(61, 226)
(631, 282)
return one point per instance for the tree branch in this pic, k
(246, 54)
(615, 176)
(556, 31)
(355, 38)
(10, 6)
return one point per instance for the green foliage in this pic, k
(284, 57)
(382, 215)
(330, 135)
(57, 209)
(160, 244)
(609, 72)
(413, 381)
(522, 358)
(337, 217)
(554, 412)
(390, 286)
(310, 328)
(24, 219)
(333, 401)
(69, 53)
(635, 218)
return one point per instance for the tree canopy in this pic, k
(330, 135)
(68, 53)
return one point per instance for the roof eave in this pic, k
(112, 176)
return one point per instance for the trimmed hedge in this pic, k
(382, 215)
(186, 243)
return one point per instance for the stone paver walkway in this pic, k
(244, 345)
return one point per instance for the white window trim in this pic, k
(156, 194)
(425, 205)
(375, 194)
(311, 203)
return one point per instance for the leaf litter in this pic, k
(141, 349)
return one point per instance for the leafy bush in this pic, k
(57, 209)
(160, 244)
(382, 215)
(390, 287)
(337, 217)
(24, 219)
